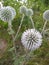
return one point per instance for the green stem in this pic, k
(32, 22)
(15, 38)
(10, 27)
(44, 27)
(27, 57)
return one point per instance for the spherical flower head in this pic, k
(7, 13)
(23, 9)
(13, 11)
(31, 39)
(46, 15)
(29, 12)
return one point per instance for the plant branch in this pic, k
(32, 22)
(47, 30)
(15, 38)
(10, 28)
(44, 27)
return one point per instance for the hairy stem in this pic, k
(19, 28)
(44, 27)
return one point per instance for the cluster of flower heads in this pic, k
(26, 11)
(29, 12)
(31, 38)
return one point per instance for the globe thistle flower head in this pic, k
(31, 39)
(29, 12)
(23, 9)
(12, 10)
(46, 15)
(7, 14)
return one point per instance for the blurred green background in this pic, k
(42, 54)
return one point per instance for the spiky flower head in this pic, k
(31, 39)
(12, 10)
(29, 12)
(6, 14)
(46, 15)
(23, 9)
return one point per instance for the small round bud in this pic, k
(46, 15)
(23, 9)
(29, 12)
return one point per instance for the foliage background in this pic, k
(42, 54)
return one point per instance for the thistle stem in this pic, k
(32, 22)
(15, 38)
(27, 57)
(44, 27)
(47, 30)
(10, 27)
(14, 44)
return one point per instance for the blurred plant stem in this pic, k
(27, 57)
(47, 30)
(32, 22)
(44, 27)
(12, 35)
(15, 38)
